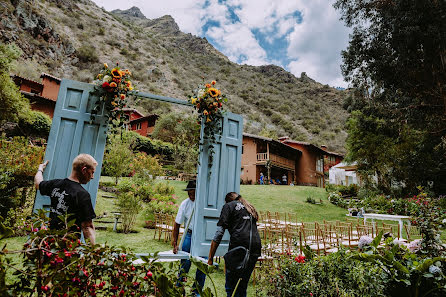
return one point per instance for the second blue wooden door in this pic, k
(224, 177)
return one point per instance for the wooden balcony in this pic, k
(276, 160)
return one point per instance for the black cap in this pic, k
(191, 185)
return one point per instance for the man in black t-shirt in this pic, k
(69, 197)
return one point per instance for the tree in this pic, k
(396, 62)
(184, 132)
(14, 105)
(118, 156)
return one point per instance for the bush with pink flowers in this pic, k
(56, 263)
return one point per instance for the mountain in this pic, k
(71, 39)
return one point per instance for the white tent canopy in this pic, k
(343, 174)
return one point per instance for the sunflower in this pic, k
(116, 73)
(213, 92)
(213, 82)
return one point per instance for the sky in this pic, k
(298, 35)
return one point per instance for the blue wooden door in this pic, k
(72, 134)
(212, 188)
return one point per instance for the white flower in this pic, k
(200, 93)
(106, 78)
(397, 241)
(414, 246)
(364, 241)
(434, 269)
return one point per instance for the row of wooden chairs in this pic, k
(325, 237)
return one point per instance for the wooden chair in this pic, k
(412, 232)
(389, 228)
(167, 226)
(345, 236)
(158, 225)
(331, 241)
(363, 231)
(314, 239)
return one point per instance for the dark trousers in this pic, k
(233, 277)
(200, 277)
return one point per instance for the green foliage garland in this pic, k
(208, 102)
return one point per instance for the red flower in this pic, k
(106, 85)
(44, 288)
(149, 274)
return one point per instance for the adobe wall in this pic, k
(47, 108)
(249, 160)
(50, 88)
(306, 167)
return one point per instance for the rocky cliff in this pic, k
(71, 39)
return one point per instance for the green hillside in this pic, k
(71, 39)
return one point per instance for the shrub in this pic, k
(55, 263)
(129, 204)
(146, 167)
(37, 124)
(310, 200)
(87, 54)
(18, 163)
(334, 275)
(164, 189)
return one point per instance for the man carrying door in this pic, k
(68, 197)
(183, 215)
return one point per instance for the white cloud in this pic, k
(239, 44)
(314, 45)
(187, 13)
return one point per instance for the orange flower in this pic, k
(122, 96)
(105, 65)
(213, 92)
(208, 86)
(113, 84)
(126, 71)
(213, 82)
(116, 73)
(205, 112)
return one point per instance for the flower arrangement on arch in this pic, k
(208, 101)
(112, 86)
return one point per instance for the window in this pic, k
(243, 148)
(320, 164)
(138, 126)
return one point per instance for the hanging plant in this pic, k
(208, 101)
(112, 87)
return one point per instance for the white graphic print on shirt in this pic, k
(61, 207)
(239, 206)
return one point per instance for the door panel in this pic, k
(72, 134)
(213, 184)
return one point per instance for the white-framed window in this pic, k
(320, 164)
(138, 126)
